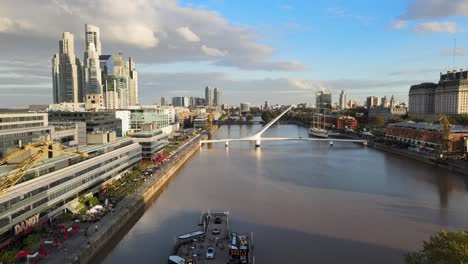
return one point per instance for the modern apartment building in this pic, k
(217, 97)
(208, 97)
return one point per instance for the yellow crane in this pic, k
(26, 157)
(446, 126)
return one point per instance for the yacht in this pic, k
(318, 132)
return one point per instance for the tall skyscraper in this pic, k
(217, 97)
(208, 97)
(93, 36)
(343, 100)
(92, 69)
(66, 72)
(372, 101)
(133, 82)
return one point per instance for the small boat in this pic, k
(318, 132)
(176, 260)
(192, 235)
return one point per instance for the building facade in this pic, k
(422, 100)
(343, 100)
(323, 100)
(217, 97)
(372, 101)
(95, 121)
(244, 107)
(49, 188)
(208, 97)
(451, 96)
(67, 73)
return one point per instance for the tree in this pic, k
(249, 117)
(8, 256)
(376, 121)
(31, 241)
(445, 247)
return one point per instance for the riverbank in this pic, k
(126, 213)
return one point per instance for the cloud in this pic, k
(435, 27)
(339, 12)
(151, 31)
(399, 24)
(429, 9)
(212, 51)
(458, 52)
(413, 72)
(188, 34)
(10, 25)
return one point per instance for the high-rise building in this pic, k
(244, 107)
(208, 97)
(422, 100)
(132, 82)
(164, 101)
(93, 36)
(323, 100)
(180, 101)
(66, 73)
(384, 102)
(92, 69)
(372, 101)
(343, 100)
(217, 97)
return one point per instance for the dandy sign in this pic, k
(26, 225)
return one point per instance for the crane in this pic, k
(446, 126)
(33, 153)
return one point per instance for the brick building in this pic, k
(427, 137)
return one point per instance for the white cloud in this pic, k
(151, 31)
(188, 34)
(435, 27)
(10, 25)
(212, 51)
(399, 24)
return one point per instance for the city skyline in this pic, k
(252, 57)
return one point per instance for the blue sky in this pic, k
(280, 51)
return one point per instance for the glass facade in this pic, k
(155, 116)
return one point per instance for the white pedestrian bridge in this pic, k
(257, 138)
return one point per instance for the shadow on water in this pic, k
(295, 246)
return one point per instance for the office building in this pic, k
(451, 96)
(372, 101)
(53, 186)
(217, 97)
(95, 121)
(132, 83)
(197, 101)
(92, 66)
(66, 73)
(164, 101)
(208, 97)
(343, 100)
(422, 100)
(323, 100)
(157, 117)
(180, 101)
(151, 142)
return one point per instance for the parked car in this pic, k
(210, 253)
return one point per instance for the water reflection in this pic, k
(305, 202)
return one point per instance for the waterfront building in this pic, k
(451, 96)
(151, 142)
(66, 73)
(208, 97)
(244, 107)
(155, 116)
(323, 100)
(217, 97)
(422, 100)
(343, 100)
(372, 101)
(428, 137)
(53, 186)
(200, 122)
(341, 122)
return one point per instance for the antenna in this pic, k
(454, 51)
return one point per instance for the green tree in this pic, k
(31, 241)
(249, 117)
(8, 256)
(93, 201)
(445, 247)
(376, 121)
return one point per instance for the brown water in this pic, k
(305, 202)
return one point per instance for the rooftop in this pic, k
(430, 127)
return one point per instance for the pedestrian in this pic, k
(96, 228)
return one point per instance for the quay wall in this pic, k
(114, 226)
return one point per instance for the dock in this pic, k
(214, 243)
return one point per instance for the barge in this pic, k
(214, 243)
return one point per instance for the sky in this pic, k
(255, 51)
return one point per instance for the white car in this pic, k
(210, 253)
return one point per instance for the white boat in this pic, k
(192, 235)
(318, 132)
(176, 260)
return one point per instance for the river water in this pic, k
(305, 202)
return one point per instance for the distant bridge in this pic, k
(257, 138)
